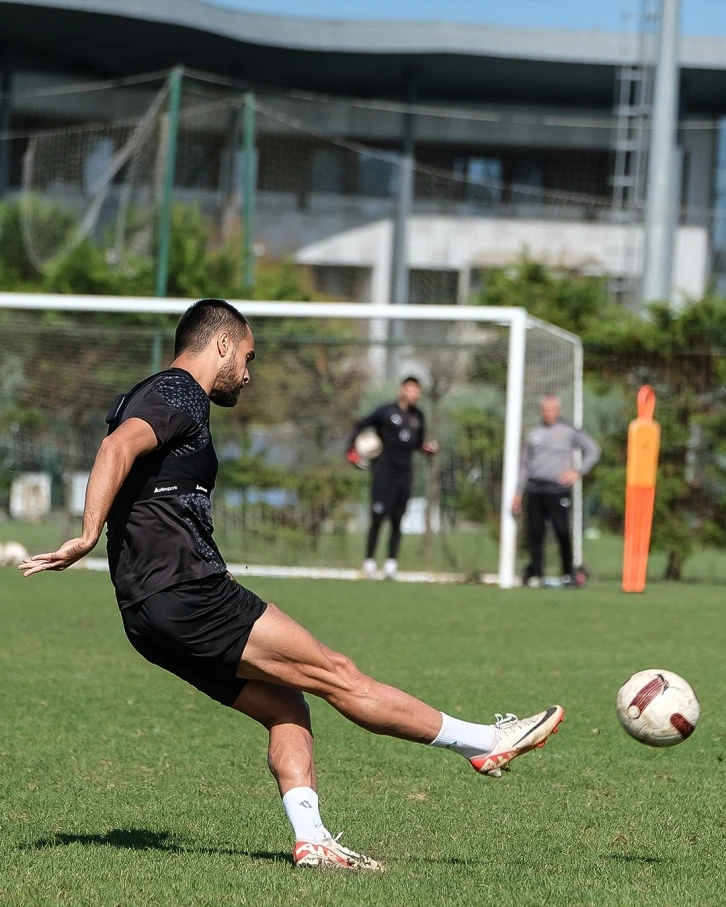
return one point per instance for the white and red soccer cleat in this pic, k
(517, 737)
(331, 854)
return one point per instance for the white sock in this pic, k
(465, 738)
(301, 806)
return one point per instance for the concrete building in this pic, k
(516, 135)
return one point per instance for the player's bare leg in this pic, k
(286, 716)
(282, 652)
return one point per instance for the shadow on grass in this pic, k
(145, 839)
(632, 858)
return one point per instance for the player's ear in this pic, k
(224, 343)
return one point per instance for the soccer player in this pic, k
(402, 429)
(547, 475)
(151, 484)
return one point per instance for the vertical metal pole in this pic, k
(577, 501)
(378, 329)
(162, 262)
(404, 204)
(6, 106)
(659, 218)
(155, 355)
(512, 447)
(230, 179)
(399, 270)
(249, 188)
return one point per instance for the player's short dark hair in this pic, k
(411, 379)
(201, 322)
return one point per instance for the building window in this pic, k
(328, 170)
(198, 163)
(483, 178)
(526, 172)
(377, 174)
(432, 286)
(342, 282)
(97, 163)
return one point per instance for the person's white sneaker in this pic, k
(331, 854)
(369, 568)
(390, 569)
(534, 582)
(517, 737)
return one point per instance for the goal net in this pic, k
(286, 501)
(105, 179)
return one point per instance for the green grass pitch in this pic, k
(119, 785)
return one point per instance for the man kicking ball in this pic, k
(151, 483)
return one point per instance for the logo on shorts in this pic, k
(202, 488)
(166, 488)
(378, 507)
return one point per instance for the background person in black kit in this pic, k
(402, 428)
(151, 483)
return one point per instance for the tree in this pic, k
(568, 300)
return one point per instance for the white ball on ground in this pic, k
(12, 554)
(658, 708)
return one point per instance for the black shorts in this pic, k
(198, 631)
(389, 496)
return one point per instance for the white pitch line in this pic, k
(273, 570)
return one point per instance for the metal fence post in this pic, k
(249, 188)
(162, 260)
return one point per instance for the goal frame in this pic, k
(517, 320)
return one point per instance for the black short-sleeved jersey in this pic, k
(160, 524)
(401, 433)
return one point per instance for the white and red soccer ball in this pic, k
(368, 446)
(658, 708)
(12, 554)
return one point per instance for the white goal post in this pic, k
(532, 348)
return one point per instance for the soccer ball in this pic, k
(368, 445)
(658, 708)
(12, 554)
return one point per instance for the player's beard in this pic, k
(227, 386)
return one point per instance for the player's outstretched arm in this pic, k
(112, 464)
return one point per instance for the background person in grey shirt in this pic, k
(547, 475)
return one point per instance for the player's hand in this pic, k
(569, 477)
(517, 504)
(352, 456)
(430, 448)
(67, 554)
